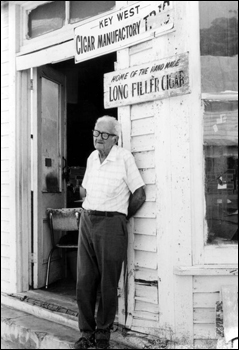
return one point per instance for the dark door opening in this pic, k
(85, 104)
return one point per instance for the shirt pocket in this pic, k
(112, 187)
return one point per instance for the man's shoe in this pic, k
(102, 337)
(85, 343)
(102, 344)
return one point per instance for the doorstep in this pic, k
(26, 331)
(32, 326)
(31, 332)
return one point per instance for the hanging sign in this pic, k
(151, 81)
(123, 28)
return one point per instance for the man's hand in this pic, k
(82, 193)
(136, 201)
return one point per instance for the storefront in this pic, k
(168, 71)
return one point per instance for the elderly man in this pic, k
(114, 192)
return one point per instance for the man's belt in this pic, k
(103, 213)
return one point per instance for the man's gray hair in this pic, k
(116, 126)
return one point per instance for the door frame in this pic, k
(19, 163)
(39, 59)
(37, 170)
(22, 183)
(26, 221)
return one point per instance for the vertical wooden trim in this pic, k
(20, 196)
(173, 118)
(163, 168)
(23, 156)
(36, 101)
(183, 309)
(183, 287)
(64, 135)
(196, 140)
(12, 149)
(14, 161)
(124, 119)
(164, 219)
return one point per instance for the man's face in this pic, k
(104, 145)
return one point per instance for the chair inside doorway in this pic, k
(65, 219)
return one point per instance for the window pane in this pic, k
(50, 135)
(219, 65)
(46, 18)
(80, 10)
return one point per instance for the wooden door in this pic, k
(49, 188)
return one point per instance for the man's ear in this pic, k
(116, 139)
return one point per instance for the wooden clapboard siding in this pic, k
(146, 274)
(143, 126)
(205, 344)
(5, 171)
(139, 54)
(204, 315)
(148, 176)
(204, 331)
(151, 193)
(143, 143)
(145, 160)
(146, 307)
(147, 211)
(146, 292)
(211, 284)
(145, 226)
(146, 259)
(206, 293)
(145, 315)
(205, 300)
(145, 243)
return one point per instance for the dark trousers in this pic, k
(101, 250)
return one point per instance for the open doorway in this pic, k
(85, 103)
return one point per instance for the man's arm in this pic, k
(136, 201)
(82, 193)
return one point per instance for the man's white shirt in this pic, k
(108, 185)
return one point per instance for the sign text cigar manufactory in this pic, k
(123, 28)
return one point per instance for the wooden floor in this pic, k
(59, 297)
(65, 287)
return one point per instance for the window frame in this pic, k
(215, 253)
(204, 254)
(58, 36)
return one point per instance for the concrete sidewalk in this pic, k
(8, 345)
(20, 330)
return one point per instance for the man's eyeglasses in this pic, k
(104, 135)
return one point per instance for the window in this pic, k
(80, 10)
(54, 15)
(46, 18)
(219, 71)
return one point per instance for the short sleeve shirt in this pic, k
(108, 185)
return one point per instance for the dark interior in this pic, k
(85, 103)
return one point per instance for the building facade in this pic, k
(169, 74)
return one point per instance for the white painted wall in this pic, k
(14, 158)
(5, 152)
(160, 141)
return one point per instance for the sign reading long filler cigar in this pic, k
(152, 81)
(122, 28)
